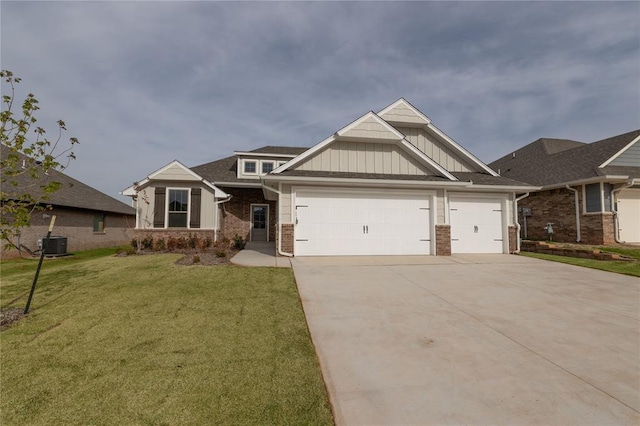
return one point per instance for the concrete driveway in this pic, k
(473, 339)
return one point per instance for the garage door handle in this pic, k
(367, 229)
(363, 229)
(475, 229)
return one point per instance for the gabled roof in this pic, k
(371, 128)
(546, 162)
(164, 173)
(72, 193)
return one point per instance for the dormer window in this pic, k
(267, 166)
(250, 167)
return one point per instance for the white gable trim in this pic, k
(370, 115)
(403, 101)
(263, 154)
(453, 144)
(131, 191)
(619, 153)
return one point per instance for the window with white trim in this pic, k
(178, 208)
(267, 166)
(250, 167)
(597, 197)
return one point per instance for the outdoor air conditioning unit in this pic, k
(56, 246)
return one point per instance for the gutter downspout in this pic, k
(279, 248)
(215, 203)
(577, 203)
(515, 215)
(614, 209)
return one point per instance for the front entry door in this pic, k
(259, 220)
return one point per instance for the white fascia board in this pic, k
(619, 153)
(412, 149)
(365, 182)
(508, 188)
(129, 191)
(304, 155)
(415, 110)
(262, 154)
(587, 181)
(460, 149)
(240, 184)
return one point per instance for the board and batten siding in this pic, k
(285, 204)
(435, 150)
(363, 157)
(629, 158)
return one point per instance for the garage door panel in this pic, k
(628, 206)
(361, 224)
(476, 225)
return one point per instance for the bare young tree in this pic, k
(27, 157)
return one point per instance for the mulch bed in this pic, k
(190, 258)
(9, 317)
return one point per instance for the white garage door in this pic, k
(361, 223)
(629, 215)
(476, 224)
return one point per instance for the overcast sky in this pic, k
(144, 83)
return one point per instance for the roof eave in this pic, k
(363, 182)
(586, 181)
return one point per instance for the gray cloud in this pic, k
(143, 83)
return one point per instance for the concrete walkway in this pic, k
(260, 254)
(473, 339)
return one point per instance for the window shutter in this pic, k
(196, 196)
(159, 204)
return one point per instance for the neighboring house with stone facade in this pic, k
(87, 217)
(590, 192)
(389, 183)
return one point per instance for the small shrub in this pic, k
(172, 243)
(160, 245)
(205, 243)
(196, 259)
(221, 253)
(134, 244)
(193, 241)
(147, 243)
(182, 243)
(239, 242)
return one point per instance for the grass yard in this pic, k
(627, 268)
(140, 340)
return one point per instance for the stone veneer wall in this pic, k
(236, 213)
(443, 240)
(557, 206)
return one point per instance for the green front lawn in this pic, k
(140, 340)
(620, 267)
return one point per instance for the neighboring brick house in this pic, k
(590, 193)
(87, 217)
(389, 183)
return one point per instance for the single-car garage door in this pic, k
(476, 224)
(362, 223)
(628, 214)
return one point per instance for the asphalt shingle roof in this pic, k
(551, 161)
(72, 193)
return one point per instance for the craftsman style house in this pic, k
(389, 183)
(589, 193)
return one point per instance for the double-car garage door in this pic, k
(341, 222)
(362, 223)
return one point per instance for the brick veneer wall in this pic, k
(443, 240)
(236, 215)
(557, 206)
(513, 239)
(287, 237)
(77, 226)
